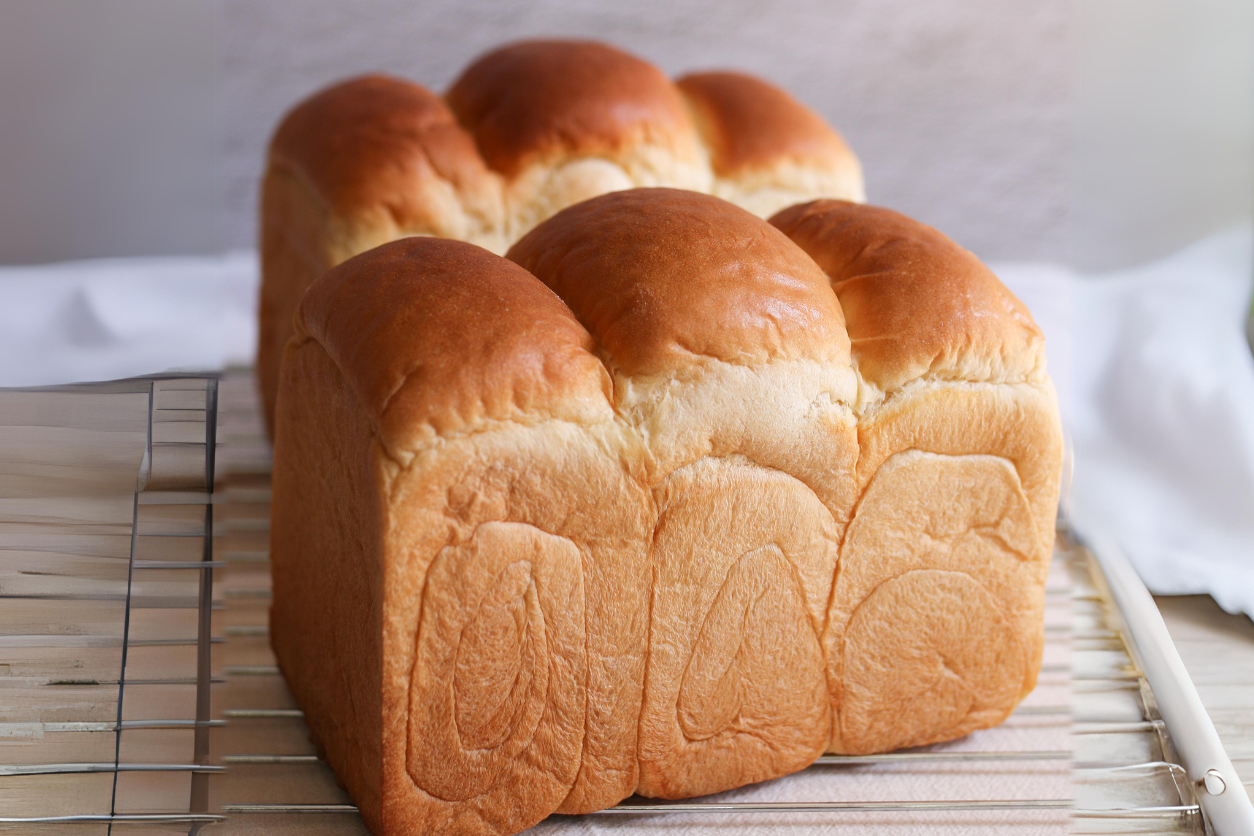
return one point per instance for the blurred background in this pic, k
(1100, 133)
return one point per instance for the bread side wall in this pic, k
(939, 596)
(517, 581)
(326, 562)
(752, 471)
(668, 603)
(294, 226)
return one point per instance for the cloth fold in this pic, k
(1156, 385)
(105, 319)
(1163, 419)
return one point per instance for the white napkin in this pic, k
(111, 318)
(1156, 383)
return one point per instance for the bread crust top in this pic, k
(383, 143)
(536, 100)
(749, 124)
(917, 305)
(384, 152)
(439, 337)
(666, 279)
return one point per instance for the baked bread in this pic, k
(647, 507)
(527, 130)
(939, 596)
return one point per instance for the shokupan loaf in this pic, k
(668, 501)
(527, 130)
(938, 601)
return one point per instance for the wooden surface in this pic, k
(1218, 650)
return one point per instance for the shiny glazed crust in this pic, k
(527, 130)
(623, 512)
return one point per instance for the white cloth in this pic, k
(1154, 377)
(1156, 383)
(112, 318)
(1164, 419)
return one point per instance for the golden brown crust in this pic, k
(1018, 423)
(377, 144)
(750, 124)
(543, 98)
(328, 588)
(293, 254)
(736, 691)
(555, 496)
(958, 436)
(954, 479)
(668, 279)
(438, 336)
(544, 529)
(916, 303)
(376, 158)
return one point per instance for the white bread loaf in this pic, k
(527, 130)
(662, 503)
(960, 454)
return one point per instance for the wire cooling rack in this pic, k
(106, 606)
(137, 688)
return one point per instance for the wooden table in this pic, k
(1218, 650)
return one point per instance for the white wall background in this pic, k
(110, 128)
(1107, 131)
(959, 109)
(1164, 115)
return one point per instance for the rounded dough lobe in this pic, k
(767, 150)
(915, 302)
(407, 324)
(734, 690)
(385, 151)
(938, 656)
(666, 280)
(498, 691)
(749, 124)
(537, 99)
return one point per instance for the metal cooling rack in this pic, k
(180, 719)
(106, 606)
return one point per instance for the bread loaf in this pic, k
(668, 501)
(528, 129)
(958, 472)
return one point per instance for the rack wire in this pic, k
(106, 606)
(1088, 752)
